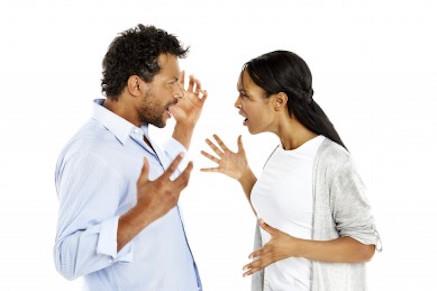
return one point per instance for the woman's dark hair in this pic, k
(283, 71)
(135, 52)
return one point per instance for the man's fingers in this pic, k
(182, 78)
(204, 96)
(214, 147)
(190, 84)
(211, 157)
(173, 166)
(198, 86)
(220, 142)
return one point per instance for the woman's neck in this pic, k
(293, 134)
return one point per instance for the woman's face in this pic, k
(254, 105)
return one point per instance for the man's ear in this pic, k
(280, 101)
(136, 86)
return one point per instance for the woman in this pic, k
(316, 231)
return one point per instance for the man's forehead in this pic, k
(169, 67)
(168, 61)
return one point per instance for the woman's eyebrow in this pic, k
(241, 89)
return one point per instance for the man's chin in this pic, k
(157, 123)
(160, 123)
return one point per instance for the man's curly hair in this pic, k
(135, 52)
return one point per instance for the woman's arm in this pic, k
(247, 180)
(282, 246)
(232, 164)
(340, 250)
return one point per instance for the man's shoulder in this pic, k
(91, 139)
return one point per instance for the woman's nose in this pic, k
(237, 103)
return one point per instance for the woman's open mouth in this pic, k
(245, 118)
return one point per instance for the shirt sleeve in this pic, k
(351, 208)
(89, 194)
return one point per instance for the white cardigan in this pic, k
(340, 209)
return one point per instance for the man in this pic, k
(119, 223)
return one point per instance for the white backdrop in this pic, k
(375, 74)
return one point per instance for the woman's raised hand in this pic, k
(232, 164)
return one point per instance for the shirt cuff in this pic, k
(107, 242)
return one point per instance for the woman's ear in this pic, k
(280, 101)
(135, 86)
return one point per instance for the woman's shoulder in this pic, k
(332, 154)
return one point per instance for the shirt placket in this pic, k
(139, 137)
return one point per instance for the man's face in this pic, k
(163, 92)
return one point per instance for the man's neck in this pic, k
(121, 109)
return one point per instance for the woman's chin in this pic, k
(251, 130)
(254, 131)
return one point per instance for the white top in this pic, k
(283, 198)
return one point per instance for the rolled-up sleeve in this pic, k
(89, 194)
(107, 243)
(351, 208)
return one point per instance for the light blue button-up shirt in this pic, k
(95, 178)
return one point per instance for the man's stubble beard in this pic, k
(151, 113)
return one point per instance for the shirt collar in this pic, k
(117, 125)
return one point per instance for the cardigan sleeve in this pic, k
(350, 207)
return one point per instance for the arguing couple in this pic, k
(119, 222)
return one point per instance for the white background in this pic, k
(374, 67)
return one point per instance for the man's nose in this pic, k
(178, 91)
